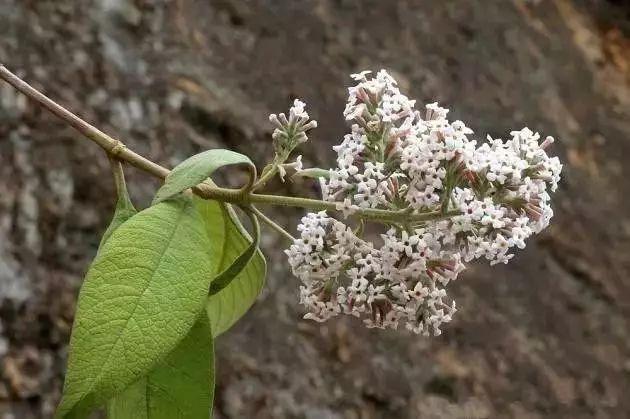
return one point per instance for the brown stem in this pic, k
(111, 145)
(108, 143)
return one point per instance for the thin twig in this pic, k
(113, 146)
(272, 224)
(206, 189)
(109, 144)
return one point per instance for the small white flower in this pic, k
(398, 158)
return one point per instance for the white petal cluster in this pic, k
(490, 198)
(342, 273)
(290, 132)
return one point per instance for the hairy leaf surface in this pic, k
(142, 294)
(180, 387)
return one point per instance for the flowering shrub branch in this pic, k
(435, 199)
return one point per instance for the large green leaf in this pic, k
(180, 387)
(198, 168)
(142, 294)
(230, 241)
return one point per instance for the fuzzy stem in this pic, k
(266, 176)
(367, 213)
(207, 189)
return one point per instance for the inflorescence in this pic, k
(490, 197)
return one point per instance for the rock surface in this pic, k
(546, 336)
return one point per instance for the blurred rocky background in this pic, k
(546, 337)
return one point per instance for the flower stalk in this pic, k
(207, 189)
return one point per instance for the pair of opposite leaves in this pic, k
(142, 339)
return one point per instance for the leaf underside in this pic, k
(224, 278)
(230, 240)
(179, 387)
(229, 249)
(142, 294)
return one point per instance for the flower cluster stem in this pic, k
(207, 189)
(272, 224)
(266, 176)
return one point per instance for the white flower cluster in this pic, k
(292, 129)
(479, 201)
(288, 134)
(342, 273)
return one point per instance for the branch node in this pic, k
(117, 148)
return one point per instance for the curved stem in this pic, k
(251, 181)
(207, 189)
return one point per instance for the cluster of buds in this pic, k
(480, 201)
(288, 134)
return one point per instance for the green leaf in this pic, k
(131, 403)
(142, 294)
(121, 214)
(231, 240)
(198, 168)
(180, 387)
